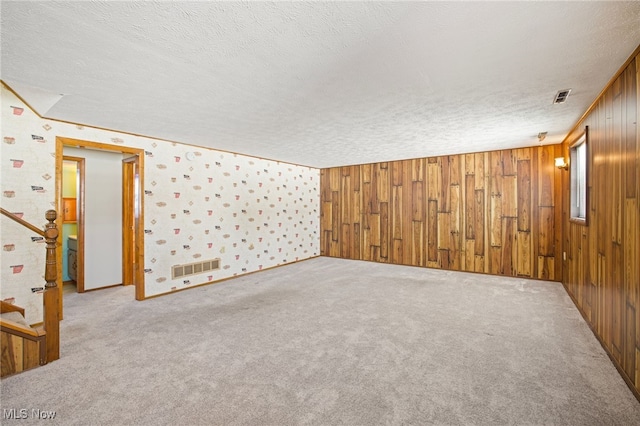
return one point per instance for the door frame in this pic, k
(79, 219)
(130, 218)
(61, 142)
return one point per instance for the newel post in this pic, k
(51, 293)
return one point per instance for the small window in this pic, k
(578, 177)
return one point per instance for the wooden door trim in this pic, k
(80, 221)
(129, 219)
(61, 142)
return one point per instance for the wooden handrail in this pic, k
(16, 355)
(23, 331)
(48, 336)
(22, 222)
(6, 307)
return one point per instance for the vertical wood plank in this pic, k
(470, 164)
(455, 208)
(345, 196)
(481, 175)
(418, 243)
(418, 169)
(470, 207)
(374, 224)
(407, 209)
(495, 260)
(524, 195)
(495, 217)
(384, 231)
(382, 180)
(509, 162)
(327, 214)
(495, 212)
(432, 232)
(365, 173)
(524, 253)
(455, 170)
(480, 241)
(445, 181)
(523, 154)
(545, 179)
(444, 232)
(366, 242)
(357, 250)
(397, 253)
(509, 246)
(545, 234)
(510, 196)
(469, 258)
(334, 179)
(335, 217)
(345, 243)
(629, 360)
(433, 179)
(631, 143)
(397, 168)
(455, 234)
(417, 201)
(632, 252)
(396, 212)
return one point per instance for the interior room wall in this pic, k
(493, 212)
(603, 256)
(69, 190)
(251, 213)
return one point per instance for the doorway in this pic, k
(72, 202)
(105, 208)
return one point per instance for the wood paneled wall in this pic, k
(492, 212)
(602, 273)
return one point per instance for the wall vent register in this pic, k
(179, 271)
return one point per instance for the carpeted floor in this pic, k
(328, 342)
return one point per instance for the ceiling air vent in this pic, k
(561, 96)
(179, 271)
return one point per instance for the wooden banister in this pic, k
(8, 307)
(51, 293)
(19, 329)
(22, 221)
(24, 347)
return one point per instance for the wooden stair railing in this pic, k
(23, 347)
(51, 322)
(23, 222)
(51, 294)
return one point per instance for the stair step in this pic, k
(15, 317)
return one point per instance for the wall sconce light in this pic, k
(561, 164)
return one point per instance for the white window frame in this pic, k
(578, 173)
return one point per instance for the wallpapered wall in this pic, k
(251, 213)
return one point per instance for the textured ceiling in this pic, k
(319, 83)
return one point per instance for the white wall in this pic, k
(103, 217)
(251, 213)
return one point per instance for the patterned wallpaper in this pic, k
(249, 212)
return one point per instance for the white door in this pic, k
(102, 224)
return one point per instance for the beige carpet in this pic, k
(328, 341)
